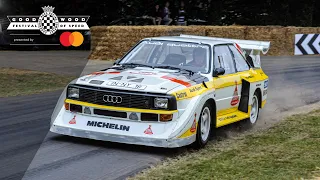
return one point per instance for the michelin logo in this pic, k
(108, 125)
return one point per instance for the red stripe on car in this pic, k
(177, 81)
(100, 73)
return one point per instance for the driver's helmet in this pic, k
(199, 54)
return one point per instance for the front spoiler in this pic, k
(167, 143)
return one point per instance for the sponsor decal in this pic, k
(181, 95)
(142, 73)
(108, 125)
(266, 84)
(249, 77)
(194, 125)
(126, 85)
(258, 85)
(228, 117)
(177, 81)
(186, 45)
(194, 89)
(265, 92)
(74, 39)
(153, 42)
(73, 120)
(148, 130)
(235, 99)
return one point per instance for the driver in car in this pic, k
(199, 58)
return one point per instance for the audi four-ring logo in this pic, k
(112, 99)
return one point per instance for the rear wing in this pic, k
(251, 48)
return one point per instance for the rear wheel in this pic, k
(254, 113)
(204, 126)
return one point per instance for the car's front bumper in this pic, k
(162, 134)
(168, 143)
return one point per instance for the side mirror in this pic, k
(116, 62)
(218, 71)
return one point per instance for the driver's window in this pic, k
(241, 63)
(223, 59)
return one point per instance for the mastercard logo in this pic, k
(71, 39)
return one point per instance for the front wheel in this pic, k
(204, 126)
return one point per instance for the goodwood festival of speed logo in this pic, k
(48, 22)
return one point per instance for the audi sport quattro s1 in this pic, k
(167, 92)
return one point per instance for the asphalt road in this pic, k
(294, 82)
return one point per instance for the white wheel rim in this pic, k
(254, 110)
(205, 123)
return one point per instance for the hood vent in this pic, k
(117, 78)
(130, 77)
(137, 80)
(96, 82)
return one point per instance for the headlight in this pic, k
(161, 103)
(73, 92)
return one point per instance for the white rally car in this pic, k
(167, 92)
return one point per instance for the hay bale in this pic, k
(112, 42)
(274, 34)
(235, 32)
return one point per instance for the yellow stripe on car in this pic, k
(120, 108)
(263, 103)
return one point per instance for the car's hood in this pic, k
(140, 79)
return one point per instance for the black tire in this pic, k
(200, 142)
(249, 122)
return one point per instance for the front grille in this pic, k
(149, 117)
(103, 112)
(130, 99)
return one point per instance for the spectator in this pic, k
(166, 14)
(156, 17)
(182, 15)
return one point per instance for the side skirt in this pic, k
(231, 118)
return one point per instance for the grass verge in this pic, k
(14, 82)
(289, 150)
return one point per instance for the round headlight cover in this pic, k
(73, 92)
(161, 103)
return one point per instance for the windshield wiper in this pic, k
(135, 65)
(175, 68)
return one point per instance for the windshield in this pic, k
(186, 55)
